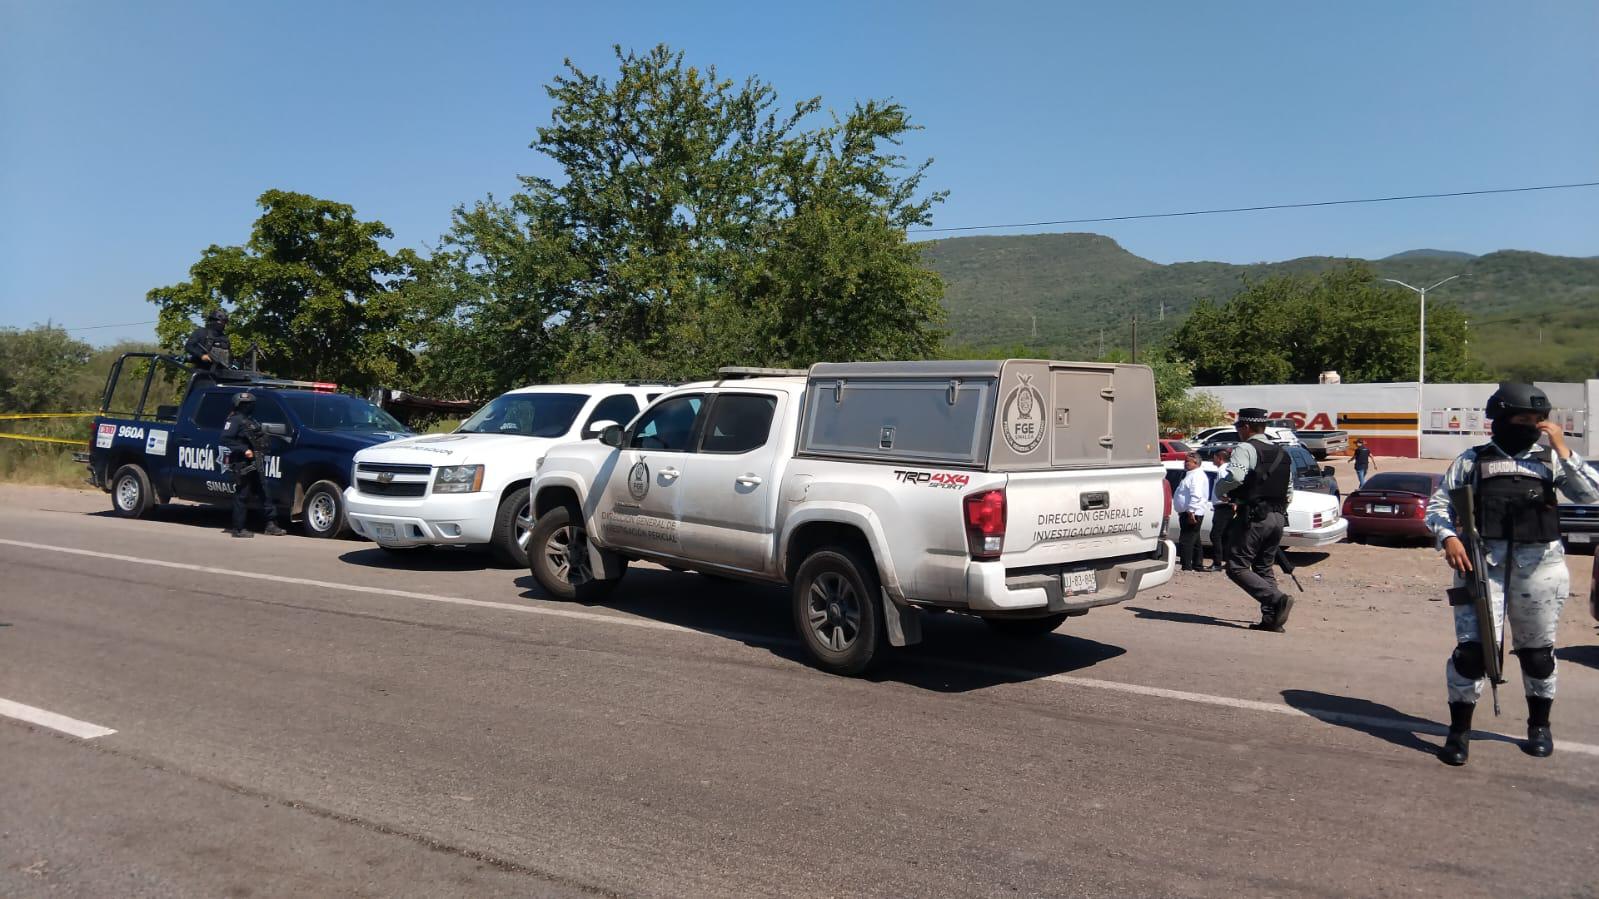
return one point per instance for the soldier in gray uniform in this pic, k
(1259, 480)
(1513, 482)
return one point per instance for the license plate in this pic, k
(385, 530)
(1579, 538)
(1382, 510)
(1079, 582)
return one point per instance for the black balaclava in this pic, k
(1514, 438)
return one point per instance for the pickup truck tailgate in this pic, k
(1063, 516)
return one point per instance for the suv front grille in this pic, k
(390, 479)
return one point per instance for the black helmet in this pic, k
(243, 398)
(1511, 398)
(219, 315)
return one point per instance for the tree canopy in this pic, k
(1289, 328)
(39, 367)
(696, 222)
(314, 287)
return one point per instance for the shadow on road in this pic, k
(1184, 617)
(432, 558)
(1582, 655)
(957, 653)
(1373, 718)
(1304, 558)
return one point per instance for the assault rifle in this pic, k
(1475, 592)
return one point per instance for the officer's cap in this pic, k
(1253, 416)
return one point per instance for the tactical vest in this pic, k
(1267, 484)
(1514, 502)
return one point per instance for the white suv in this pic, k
(470, 487)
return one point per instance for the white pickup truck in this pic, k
(470, 487)
(1021, 492)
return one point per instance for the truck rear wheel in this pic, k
(1026, 628)
(131, 494)
(513, 530)
(838, 610)
(559, 551)
(323, 511)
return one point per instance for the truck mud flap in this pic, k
(903, 623)
(1118, 583)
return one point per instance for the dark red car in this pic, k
(1392, 504)
(1173, 450)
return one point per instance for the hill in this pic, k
(1532, 314)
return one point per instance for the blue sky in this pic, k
(133, 135)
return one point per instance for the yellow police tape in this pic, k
(19, 416)
(82, 442)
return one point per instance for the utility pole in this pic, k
(1135, 337)
(1162, 310)
(1035, 324)
(1101, 343)
(1421, 366)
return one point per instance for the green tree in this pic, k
(314, 287)
(696, 223)
(1290, 328)
(40, 369)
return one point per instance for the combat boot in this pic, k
(241, 532)
(272, 530)
(1540, 739)
(1457, 746)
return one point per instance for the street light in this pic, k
(1421, 367)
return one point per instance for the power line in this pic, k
(1165, 215)
(99, 327)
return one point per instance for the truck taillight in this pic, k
(985, 524)
(1165, 516)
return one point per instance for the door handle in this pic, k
(671, 474)
(748, 480)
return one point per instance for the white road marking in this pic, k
(1253, 705)
(81, 729)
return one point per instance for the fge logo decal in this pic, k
(104, 434)
(1022, 420)
(941, 479)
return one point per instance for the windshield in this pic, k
(340, 412)
(526, 415)
(1401, 482)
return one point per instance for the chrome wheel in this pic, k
(522, 527)
(128, 493)
(321, 512)
(834, 611)
(567, 551)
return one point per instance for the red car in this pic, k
(1392, 504)
(1173, 450)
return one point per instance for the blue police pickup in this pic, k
(312, 436)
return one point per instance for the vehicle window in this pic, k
(213, 410)
(1223, 437)
(1177, 446)
(1399, 481)
(739, 422)
(340, 412)
(1303, 460)
(267, 410)
(668, 426)
(620, 408)
(526, 415)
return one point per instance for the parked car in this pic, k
(1324, 443)
(470, 487)
(1309, 475)
(1579, 524)
(1173, 450)
(1206, 435)
(1313, 520)
(1392, 504)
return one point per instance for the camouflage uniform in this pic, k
(1538, 578)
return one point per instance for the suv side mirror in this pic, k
(595, 429)
(166, 413)
(611, 436)
(275, 428)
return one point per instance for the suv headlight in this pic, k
(458, 479)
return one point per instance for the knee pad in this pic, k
(1537, 661)
(1469, 661)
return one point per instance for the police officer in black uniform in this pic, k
(242, 434)
(212, 336)
(1259, 481)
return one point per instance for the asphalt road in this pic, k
(342, 723)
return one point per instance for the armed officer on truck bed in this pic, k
(208, 346)
(245, 442)
(1258, 480)
(1509, 484)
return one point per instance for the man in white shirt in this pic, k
(1191, 502)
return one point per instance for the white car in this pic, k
(1314, 520)
(470, 487)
